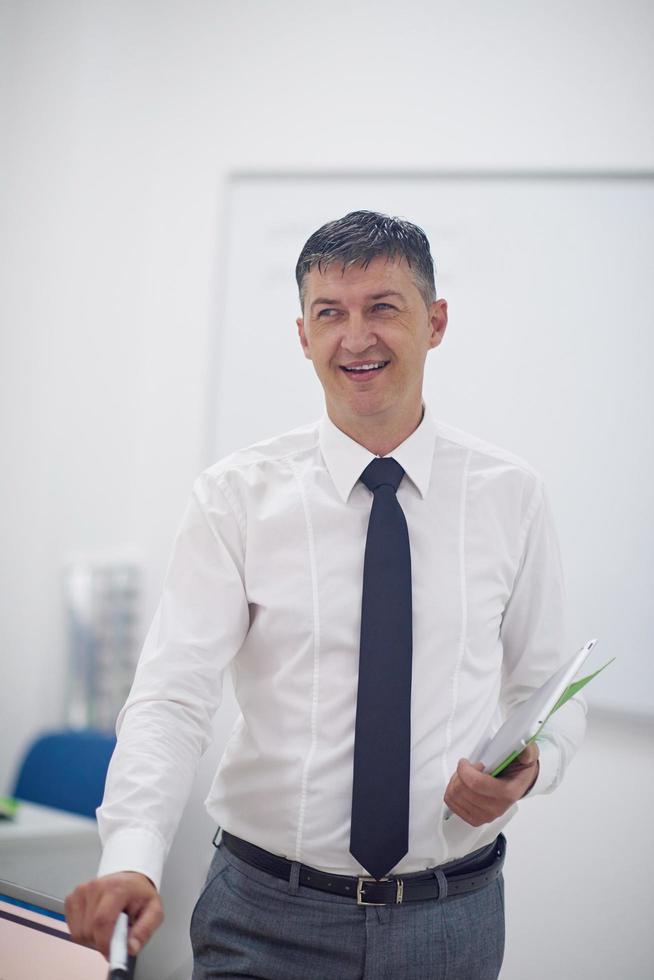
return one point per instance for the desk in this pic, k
(48, 850)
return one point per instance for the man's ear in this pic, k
(303, 337)
(437, 321)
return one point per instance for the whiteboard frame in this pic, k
(523, 176)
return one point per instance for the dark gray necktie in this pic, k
(379, 834)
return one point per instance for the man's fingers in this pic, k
(475, 796)
(479, 798)
(465, 808)
(473, 815)
(102, 921)
(80, 911)
(93, 909)
(529, 754)
(148, 918)
(91, 914)
(74, 914)
(478, 782)
(528, 759)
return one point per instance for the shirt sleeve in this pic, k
(165, 724)
(534, 641)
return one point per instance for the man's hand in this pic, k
(479, 798)
(93, 908)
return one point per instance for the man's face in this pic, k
(368, 332)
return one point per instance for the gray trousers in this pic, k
(250, 924)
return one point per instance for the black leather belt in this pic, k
(459, 877)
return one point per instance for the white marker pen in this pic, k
(118, 964)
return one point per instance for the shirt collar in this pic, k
(346, 459)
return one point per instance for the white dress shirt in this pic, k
(265, 579)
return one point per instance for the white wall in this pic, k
(119, 122)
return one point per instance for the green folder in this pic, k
(569, 692)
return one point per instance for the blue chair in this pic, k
(66, 769)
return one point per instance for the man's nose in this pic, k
(357, 334)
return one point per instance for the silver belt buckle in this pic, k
(399, 893)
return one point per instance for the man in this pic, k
(378, 583)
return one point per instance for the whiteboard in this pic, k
(548, 353)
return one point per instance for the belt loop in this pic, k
(442, 884)
(294, 879)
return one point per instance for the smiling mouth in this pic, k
(365, 370)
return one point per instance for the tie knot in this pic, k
(382, 472)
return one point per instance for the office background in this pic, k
(121, 124)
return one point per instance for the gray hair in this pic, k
(361, 236)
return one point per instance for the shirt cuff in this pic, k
(548, 769)
(136, 849)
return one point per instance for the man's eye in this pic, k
(327, 311)
(383, 306)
